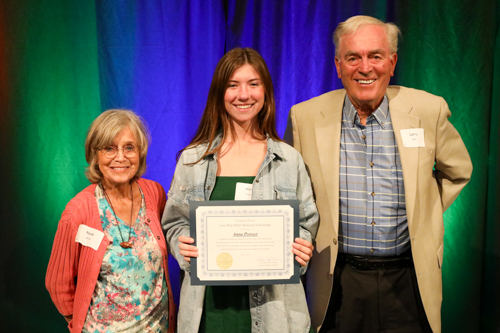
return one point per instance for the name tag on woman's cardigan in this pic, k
(88, 236)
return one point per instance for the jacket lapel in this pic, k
(401, 116)
(328, 128)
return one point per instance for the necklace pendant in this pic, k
(126, 245)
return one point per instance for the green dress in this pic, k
(226, 308)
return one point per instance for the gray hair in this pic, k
(354, 23)
(103, 131)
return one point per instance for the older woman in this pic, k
(108, 268)
(236, 142)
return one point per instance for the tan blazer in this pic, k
(314, 130)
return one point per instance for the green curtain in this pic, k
(434, 58)
(490, 314)
(448, 49)
(50, 73)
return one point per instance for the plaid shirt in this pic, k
(372, 200)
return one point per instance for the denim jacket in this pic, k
(282, 176)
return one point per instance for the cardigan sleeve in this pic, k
(62, 270)
(162, 198)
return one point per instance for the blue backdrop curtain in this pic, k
(64, 61)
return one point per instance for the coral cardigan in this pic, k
(73, 268)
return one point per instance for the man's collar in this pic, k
(380, 114)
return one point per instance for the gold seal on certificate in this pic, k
(244, 242)
(224, 260)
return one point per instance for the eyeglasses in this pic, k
(128, 150)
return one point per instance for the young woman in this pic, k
(236, 141)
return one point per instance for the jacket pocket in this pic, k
(195, 193)
(284, 193)
(426, 158)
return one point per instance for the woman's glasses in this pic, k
(129, 151)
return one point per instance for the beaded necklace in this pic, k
(123, 244)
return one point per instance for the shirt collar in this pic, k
(380, 114)
(273, 147)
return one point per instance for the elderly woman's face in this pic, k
(120, 169)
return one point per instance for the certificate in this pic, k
(244, 242)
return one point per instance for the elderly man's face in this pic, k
(365, 66)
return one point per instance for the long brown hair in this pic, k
(215, 115)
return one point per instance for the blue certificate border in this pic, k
(193, 206)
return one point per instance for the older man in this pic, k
(385, 163)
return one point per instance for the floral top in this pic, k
(131, 291)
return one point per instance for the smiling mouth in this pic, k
(242, 107)
(119, 168)
(366, 81)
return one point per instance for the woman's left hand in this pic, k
(303, 250)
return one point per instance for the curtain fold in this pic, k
(51, 94)
(449, 52)
(490, 310)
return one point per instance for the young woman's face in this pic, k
(245, 95)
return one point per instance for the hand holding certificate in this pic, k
(244, 242)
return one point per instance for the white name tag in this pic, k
(89, 237)
(413, 137)
(243, 191)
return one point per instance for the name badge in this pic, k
(243, 191)
(88, 236)
(413, 137)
